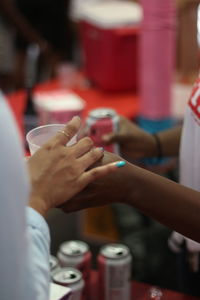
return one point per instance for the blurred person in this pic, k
(55, 173)
(6, 55)
(50, 19)
(136, 143)
(12, 21)
(171, 204)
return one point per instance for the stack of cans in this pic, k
(54, 264)
(73, 270)
(76, 254)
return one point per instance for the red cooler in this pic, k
(109, 33)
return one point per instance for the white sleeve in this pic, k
(24, 273)
(38, 273)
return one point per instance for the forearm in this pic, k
(173, 205)
(170, 141)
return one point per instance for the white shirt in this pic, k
(189, 160)
(24, 248)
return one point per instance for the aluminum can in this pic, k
(71, 278)
(102, 121)
(54, 265)
(114, 265)
(76, 254)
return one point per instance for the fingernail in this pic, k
(120, 164)
(101, 149)
(105, 138)
(76, 117)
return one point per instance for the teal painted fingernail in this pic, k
(101, 148)
(120, 164)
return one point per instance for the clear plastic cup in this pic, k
(38, 136)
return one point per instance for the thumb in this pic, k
(111, 138)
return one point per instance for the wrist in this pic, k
(129, 187)
(158, 146)
(150, 146)
(38, 204)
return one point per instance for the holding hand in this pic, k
(134, 142)
(115, 187)
(58, 172)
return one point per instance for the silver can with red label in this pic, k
(77, 254)
(102, 121)
(71, 278)
(54, 264)
(114, 265)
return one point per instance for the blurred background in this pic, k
(140, 58)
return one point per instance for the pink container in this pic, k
(58, 106)
(157, 57)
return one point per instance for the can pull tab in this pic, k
(155, 293)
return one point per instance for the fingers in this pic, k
(82, 147)
(98, 172)
(65, 135)
(112, 138)
(91, 157)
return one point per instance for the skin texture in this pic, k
(136, 143)
(170, 203)
(58, 172)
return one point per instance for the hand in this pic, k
(110, 189)
(134, 142)
(58, 172)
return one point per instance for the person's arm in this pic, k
(14, 17)
(37, 266)
(170, 141)
(170, 203)
(136, 143)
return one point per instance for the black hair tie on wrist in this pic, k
(158, 146)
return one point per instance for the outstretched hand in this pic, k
(109, 189)
(58, 172)
(134, 142)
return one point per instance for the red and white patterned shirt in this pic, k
(190, 142)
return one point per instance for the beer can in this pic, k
(114, 265)
(77, 254)
(54, 265)
(71, 278)
(102, 121)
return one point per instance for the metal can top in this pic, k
(115, 251)
(74, 248)
(101, 113)
(53, 262)
(67, 276)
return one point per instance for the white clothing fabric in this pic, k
(189, 161)
(24, 263)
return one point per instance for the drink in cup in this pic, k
(38, 136)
